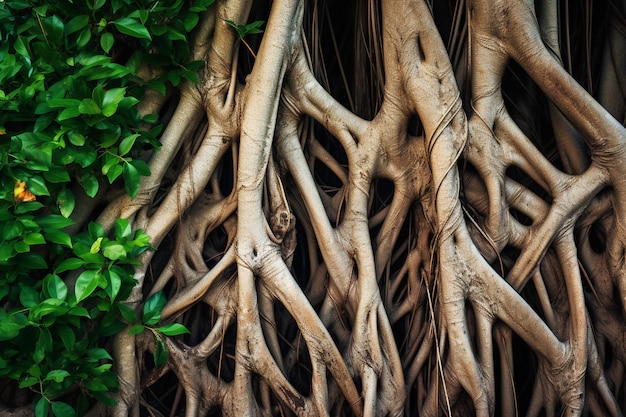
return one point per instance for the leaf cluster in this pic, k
(150, 317)
(52, 331)
(251, 28)
(70, 128)
(69, 86)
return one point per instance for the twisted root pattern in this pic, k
(311, 289)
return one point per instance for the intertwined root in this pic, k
(311, 291)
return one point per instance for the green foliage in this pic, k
(151, 316)
(69, 88)
(68, 104)
(248, 29)
(51, 332)
(245, 30)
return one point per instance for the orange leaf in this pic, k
(21, 193)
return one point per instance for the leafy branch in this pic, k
(151, 316)
(245, 30)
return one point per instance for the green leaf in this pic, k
(104, 399)
(57, 375)
(95, 246)
(49, 306)
(173, 329)
(95, 4)
(151, 118)
(28, 382)
(29, 297)
(141, 167)
(63, 102)
(142, 239)
(113, 96)
(76, 138)
(174, 77)
(66, 202)
(97, 354)
(84, 156)
(67, 336)
(7, 250)
(141, 14)
(34, 239)
(200, 5)
(98, 94)
(41, 10)
(90, 184)
(88, 106)
(191, 20)
(106, 41)
(122, 228)
(158, 85)
(79, 312)
(128, 313)
(19, 4)
(92, 260)
(95, 385)
(238, 28)
(131, 180)
(69, 264)
(191, 76)
(61, 409)
(53, 221)
(254, 27)
(152, 308)
(136, 329)
(114, 284)
(161, 354)
(33, 260)
(111, 100)
(58, 236)
(114, 251)
(37, 186)
(12, 230)
(56, 287)
(109, 110)
(21, 247)
(83, 38)
(95, 230)
(127, 144)
(56, 175)
(68, 113)
(20, 48)
(42, 121)
(249, 29)
(85, 284)
(175, 35)
(28, 207)
(10, 326)
(34, 370)
(76, 24)
(114, 172)
(44, 342)
(109, 162)
(53, 26)
(42, 407)
(132, 27)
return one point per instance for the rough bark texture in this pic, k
(363, 220)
